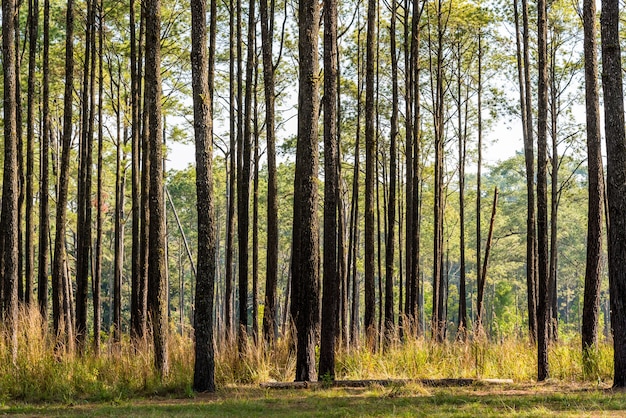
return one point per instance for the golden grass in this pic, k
(123, 371)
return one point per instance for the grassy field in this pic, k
(550, 399)
(120, 380)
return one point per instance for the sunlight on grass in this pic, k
(124, 371)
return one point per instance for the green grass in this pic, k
(409, 401)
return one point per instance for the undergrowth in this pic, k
(45, 372)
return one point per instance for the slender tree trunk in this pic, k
(391, 203)
(243, 187)
(230, 228)
(305, 256)
(480, 282)
(33, 32)
(529, 157)
(616, 180)
(157, 291)
(543, 312)
(136, 325)
(60, 281)
(370, 151)
(331, 278)
(10, 185)
(255, 215)
(118, 260)
(44, 209)
(271, 275)
(97, 277)
(591, 303)
(204, 366)
(462, 324)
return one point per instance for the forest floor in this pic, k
(553, 398)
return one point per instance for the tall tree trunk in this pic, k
(243, 187)
(553, 332)
(204, 366)
(462, 323)
(543, 319)
(157, 291)
(255, 213)
(97, 276)
(480, 281)
(591, 303)
(438, 322)
(616, 180)
(60, 281)
(33, 32)
(135, 94)
(370, 151)
(305, 256)
(271, 275)
(230, 228)
(44, 209)
(142, 297)
(10, 191)
(391, 203)
(83, 227)
(118, 241)
(529, 157)
(331, 278)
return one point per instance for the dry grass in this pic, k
(43, 372)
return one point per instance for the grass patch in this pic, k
(513, 400)
(122, 372)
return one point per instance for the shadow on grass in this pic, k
(411, 400)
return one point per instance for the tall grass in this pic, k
(123, 371)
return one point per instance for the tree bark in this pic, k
(370, 151)
(305, 256)
(271, 275)
(44, 208)
(60, 281)
(331, 279)
(591, 303)
(543, 312)
(616, 180)
(10, 185)
(157, 291)
(529, 157)
(204, 366)
(29, 256)
(391, 203)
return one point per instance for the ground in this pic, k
(531, 399)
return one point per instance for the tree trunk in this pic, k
(230, 228)
(370, 151)
(135, 94)
(157, 291)
(391, 203)
(83, 227)
(97, 276)
(10, 185)
(29, 256)
(331, 278)
(60, 282)
(591, 303)
(204, 366)
(44, 208)
(616, 180)
(529, 157)
(255, 214)
(271, 275)
(243, 187)
(305, 274)
(543, 319)
(462, 322)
